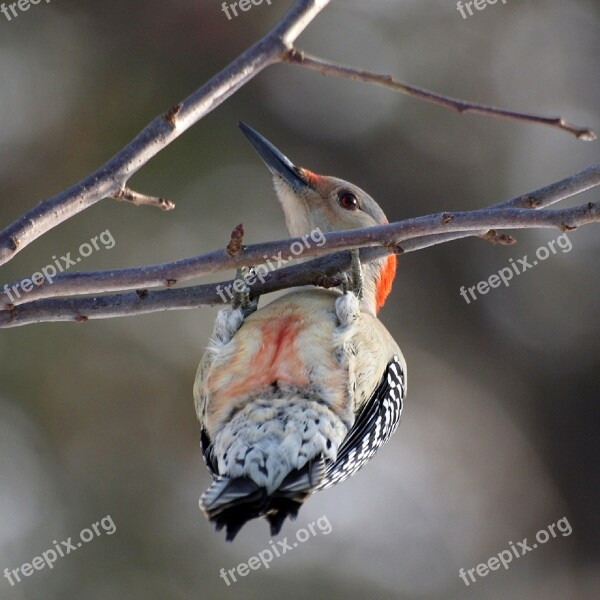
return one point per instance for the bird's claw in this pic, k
(242, 298)
(353, 281)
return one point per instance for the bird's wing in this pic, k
(374, 425)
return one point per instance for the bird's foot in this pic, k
(353, 281)
(241, 300)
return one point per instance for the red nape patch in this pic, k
(386, 280)
(312, 178)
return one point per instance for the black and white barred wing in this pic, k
(374, 425)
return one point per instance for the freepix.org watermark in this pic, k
(276, 549)
(13, 9)
(50, 556)
(243, 5)
(522, 265)
(64, 263)
(465, 8)
(259, 272)
(505, 557)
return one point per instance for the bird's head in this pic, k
(312, 201)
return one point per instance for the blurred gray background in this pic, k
(499, 435)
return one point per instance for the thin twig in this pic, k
(298, 57)
(137, 199)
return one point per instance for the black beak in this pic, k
(277, 162)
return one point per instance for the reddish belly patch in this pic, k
(277, 359)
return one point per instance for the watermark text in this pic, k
(51, 555)
(243, 5)
(10, 10)
(505, 557)
(505, 275)
(59, 265)
(465, 8)
(275, 550)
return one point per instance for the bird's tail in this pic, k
(232, 502)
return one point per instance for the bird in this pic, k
(298, 395)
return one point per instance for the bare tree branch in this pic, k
(298, 57)
(168, 274)
(111, 178)
(314, 272)
(322, 271)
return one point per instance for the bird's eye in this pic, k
(348, 200)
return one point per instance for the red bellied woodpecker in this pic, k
(297, 396)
